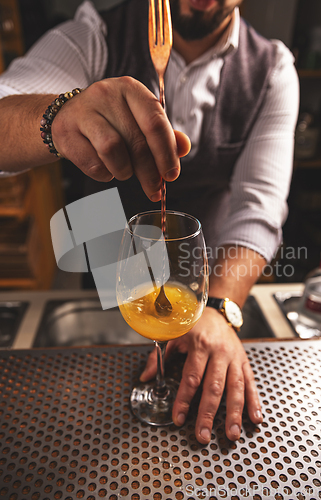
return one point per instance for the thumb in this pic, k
(183, 143)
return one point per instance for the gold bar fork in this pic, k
(160, 40)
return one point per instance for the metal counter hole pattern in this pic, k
(66, 430)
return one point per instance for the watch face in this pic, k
(233, 314)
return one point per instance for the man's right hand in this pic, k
(117, 128)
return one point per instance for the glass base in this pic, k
(151, 409)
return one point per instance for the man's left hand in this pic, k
(215, 355)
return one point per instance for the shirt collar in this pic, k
(230, 39)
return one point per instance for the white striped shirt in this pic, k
(75, 54)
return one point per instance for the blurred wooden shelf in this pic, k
(11, 35)
(309, 73)
(307, 163)
(26, 257)
(27, 203)
(19, 283)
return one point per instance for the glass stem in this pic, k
(160, 389)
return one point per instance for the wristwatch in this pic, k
(230, 310)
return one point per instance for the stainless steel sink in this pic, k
(83, 322)
(11, 314)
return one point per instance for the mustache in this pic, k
(176, 4)
(197, 25)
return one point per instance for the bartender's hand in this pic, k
(117, 128)
(214, 352)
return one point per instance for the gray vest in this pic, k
(203, 186)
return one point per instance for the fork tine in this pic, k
(159, 23)
(152, 24)
(168, 34)
(160, 39)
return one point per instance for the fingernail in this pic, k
(235, 431)
(205, 434)
(171, 175)
(180, 418)
(258, 414)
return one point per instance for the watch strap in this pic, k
(215, 303)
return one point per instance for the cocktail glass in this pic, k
(148, 260)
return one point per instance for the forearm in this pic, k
(234, 272)
(21, 144)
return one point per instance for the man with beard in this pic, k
(234, 93)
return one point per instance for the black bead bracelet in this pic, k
(50, 114)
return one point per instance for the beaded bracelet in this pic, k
(48, 118)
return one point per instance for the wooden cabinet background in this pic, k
(27, 200)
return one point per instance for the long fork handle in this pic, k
(163, 195)
(161, 91)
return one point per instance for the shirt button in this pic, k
(183, 79)
(180, 121)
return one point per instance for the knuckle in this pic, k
(99, 172)
(204, 343)
(109, 146)
(113, 152)
(182, 405)
(155, 124)
(97, 89)
(216, 388)
(225, 350)
(236, 413)
(139, 146)
(208, 415)
(104, 91)
(129, 84)
(237, 385)
(127, 80)
(193, 380)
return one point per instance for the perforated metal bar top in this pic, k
(67, 432)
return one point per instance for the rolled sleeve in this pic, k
(74, 54)
(261, 179)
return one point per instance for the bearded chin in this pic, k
(195, 26)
